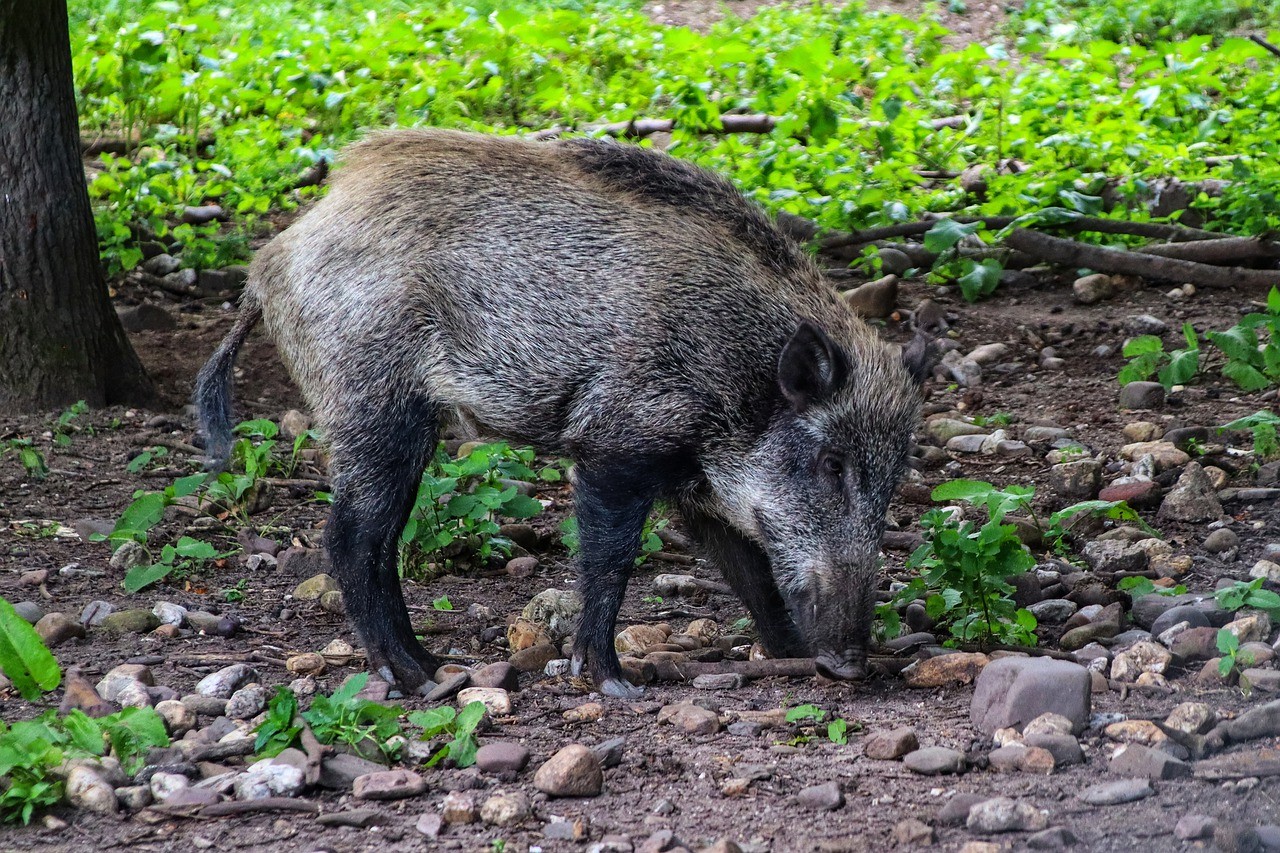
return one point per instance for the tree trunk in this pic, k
(60, 339)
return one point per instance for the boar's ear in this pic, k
(811, 368)
(919, 357)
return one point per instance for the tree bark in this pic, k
(60, 339)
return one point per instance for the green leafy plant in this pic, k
(442, 603)
(459, 504)
(964, 568)
(837, 730)
(183, 555)
(24, 658)
(1263, 425)
(31, 752)
(1148, 358)
(459, 726)
(1138, 586)
(362, 724)
(1249, 594)
(976, 278)
(280, 728)
(62, 427)
(1232, 659)
(32, 460)
(1253, 361)
(146, 459)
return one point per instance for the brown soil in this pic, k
(88, 480)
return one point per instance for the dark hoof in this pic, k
(407, 668)
(619, 688)
(841, 667)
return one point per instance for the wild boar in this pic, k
(603, 302)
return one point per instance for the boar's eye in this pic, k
(831, 464)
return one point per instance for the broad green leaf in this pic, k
(1246, 376)
(24, 658)
(805, 712)
(1143, 345)
(946, 233)
(962, 490)
(195, 549)
(141, 577)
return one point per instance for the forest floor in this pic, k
(745, 785)
(667, 779)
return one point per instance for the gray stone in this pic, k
(1142, 395)
(875, 299)
(1011, 692)
(169, 613)
(1262, 680)
(29, 611)
(1002, 814)
(1115, 793)
(1193, 827)
(269, 779)
(1145, 324)
(1114, 555)
(1221, 541)
(388, 785)
(224, 682)
(1093, 288)
(943, 430)
(502, 757)
(118, 678)
(1134, 759)
(891, 744)
(314, 587)
(130, 622)
(574, 771)
(1192, 499)
(720, 681)
(1175, 615)
(967, 443)
(164, 785)
(246, 702)
(1053, 838)
(56, 628)
(956, 810)
(1065, 749)
(95, 611)
(429, 824)
(339, 770)
(825, 797)
(505, 808)
(610, 751)
(934, 761)
(1052, 611)
(128, 555)
(145, 317)
(1079, 480)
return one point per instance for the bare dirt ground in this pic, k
(667, 779)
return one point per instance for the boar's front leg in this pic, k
(379, 454)
(746, 566)
(611, 509)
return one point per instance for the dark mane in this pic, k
(666, 180)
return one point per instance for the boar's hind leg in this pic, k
(611, 511)
(379, 455)
(746, 566)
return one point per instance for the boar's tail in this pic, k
(213, 386)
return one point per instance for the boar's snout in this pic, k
(849, 665)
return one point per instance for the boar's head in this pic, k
(819, 481)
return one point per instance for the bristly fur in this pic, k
(603, 302)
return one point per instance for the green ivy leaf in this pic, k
(24, 658)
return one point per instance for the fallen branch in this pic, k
(1097, 225)
(1070, 253)
(1264, 44)
(266, 804)
(1229, 250)
(667, 670)
(638, 128)
(313, 748)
